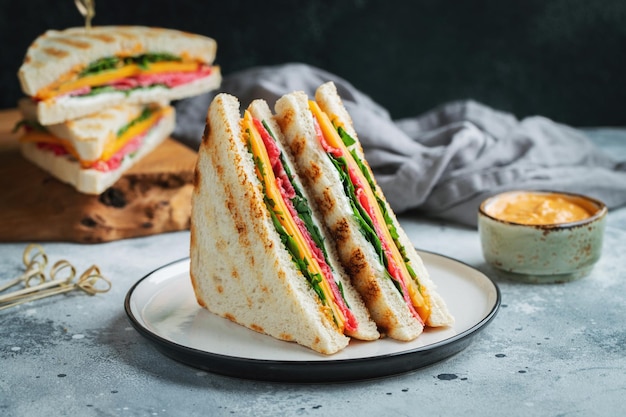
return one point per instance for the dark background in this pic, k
(564, 59)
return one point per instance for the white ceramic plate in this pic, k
(163, 308)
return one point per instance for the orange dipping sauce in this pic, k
(539, 208)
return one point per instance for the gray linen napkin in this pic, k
(445, 162)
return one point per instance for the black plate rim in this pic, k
(335, 370)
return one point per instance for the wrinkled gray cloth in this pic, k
(445, 162)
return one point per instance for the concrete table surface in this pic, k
(552, 350)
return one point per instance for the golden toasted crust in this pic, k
(56, 53)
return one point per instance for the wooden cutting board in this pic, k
(153, 197)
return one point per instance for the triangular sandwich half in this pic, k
(255, 247)
(381, 260)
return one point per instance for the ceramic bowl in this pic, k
(542, 253)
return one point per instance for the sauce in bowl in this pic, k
(539, 208)
(541, 236)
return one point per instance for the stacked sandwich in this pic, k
(292, 237)
(99, 99)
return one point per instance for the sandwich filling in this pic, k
(127, 140)
(126, 73)
(371, 213)
(292, 218)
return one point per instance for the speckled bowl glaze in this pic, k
(542, 254)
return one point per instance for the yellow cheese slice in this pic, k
(65, 86)
(420, 300)
(113, 146)
(284, 217)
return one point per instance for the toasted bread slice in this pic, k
(366, 329)
(360, 259)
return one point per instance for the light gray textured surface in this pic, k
(552, 349)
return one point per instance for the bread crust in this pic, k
(239, 267)
(56, 52)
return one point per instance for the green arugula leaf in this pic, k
(345, 137)
(145, 114)
(363, 219)
(114, 62)
(314, 280)
(32, 124)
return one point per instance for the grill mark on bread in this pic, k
(230, 199)
(357, 262)
(369, 289)
(101, 37)
(371, 293)
(326, 204)
(73, 42)
(287, 119)
(286, 336)
(341, 232)
(257, 328)
(240, 223)
(217, 281)
(242, 228)
(316, 341)
(297, 147)
(221, 244)
(127, 35)
(56, 53)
